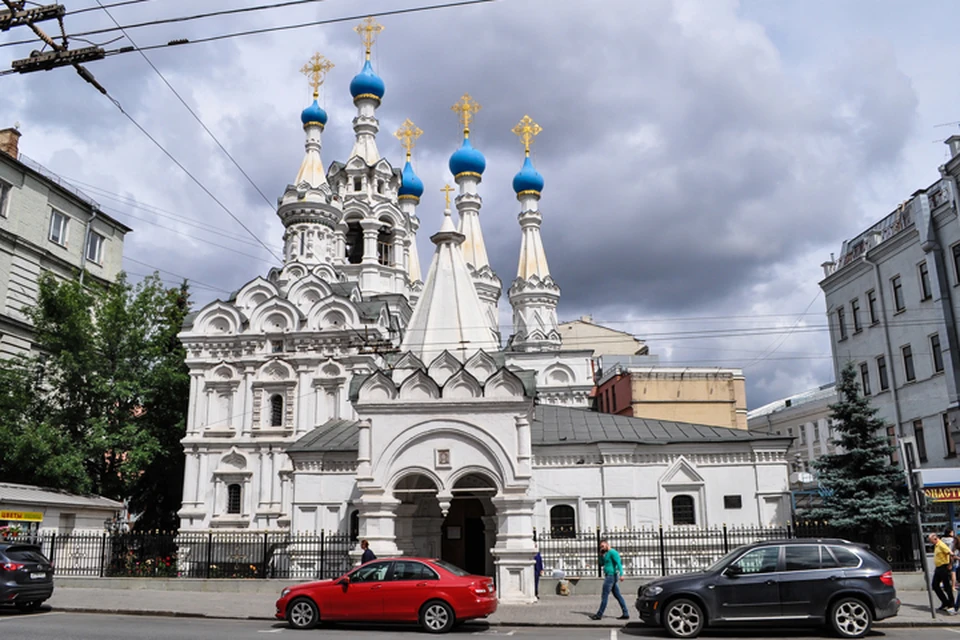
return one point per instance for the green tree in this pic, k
(862, 490)
(103, 408)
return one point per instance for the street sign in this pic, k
(21, 516)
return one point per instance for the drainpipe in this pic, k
(891, 364)
(83, 249)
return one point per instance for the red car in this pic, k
(432, 592)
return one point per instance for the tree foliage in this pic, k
(103, 407)
(862, 490)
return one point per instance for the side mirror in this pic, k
(732, 571)
(345, 580)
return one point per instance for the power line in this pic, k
(176, 275)
(191, 111)
(108, 6)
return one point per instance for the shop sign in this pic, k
(21, 516)
(942, 494)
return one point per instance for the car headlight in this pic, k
(652, 591)
(283, 594)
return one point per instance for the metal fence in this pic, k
(198, 555)
(660, 551)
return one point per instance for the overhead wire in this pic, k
(108, 6)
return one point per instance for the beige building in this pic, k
(714, 397)
(583, 334)
(46, 226)
(805, 417)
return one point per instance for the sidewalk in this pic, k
(553, 611)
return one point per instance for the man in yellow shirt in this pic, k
(942, 562)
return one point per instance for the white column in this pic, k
(514, 551)
(363, 450)
(523, 447)
(378, 516)
(247, 408)
(370, 231)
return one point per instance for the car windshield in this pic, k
(725, 560)
(452, 568)
(25, 554)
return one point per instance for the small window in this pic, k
(802, 557)
(762, 560)
(842, 322)
(908, 370)
(563, 522)
(276, 410)
(872, 306)
(897, 286)
(924, 274)
(847, 558)
(801, 433)
(882, 373)
(951, 446)
(5, 190)
(892, 441)
(233, 498)
(380, 187)
(276, 346)
(936, 352)
(921, 442)
(855, 315)
(95, 247)
(955, 249)
(865, 378)
(58, 228)
(354, 525)
(357, 184)
(732, 502)
(683, 510)
(613, 399)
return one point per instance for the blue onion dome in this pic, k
(528, 178)
(410, 185)
(367, 84)
(466, 159)
(314, 113)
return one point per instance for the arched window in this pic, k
(233, 498)
(563, 521)
(683, 511)
(276, 410)
(385, 245)
(354, 243)
(354, 525)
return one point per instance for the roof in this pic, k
(561, 426)
(823, 392)
(29, 494)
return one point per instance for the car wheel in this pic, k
(437, 617)
(683, 618)
(850, 618)
(27, 607)
(303, 614)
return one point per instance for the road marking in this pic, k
(613, 634)
(270, 630)
(22, 618)
(952, 630)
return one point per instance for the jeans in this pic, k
(943, 585)
(611, 583)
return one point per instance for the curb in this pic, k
(495, 623)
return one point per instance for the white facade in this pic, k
(40, 510)
(805, 417)
(342, 392)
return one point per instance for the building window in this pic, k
(951, 447)
(233, 498)
(732, 502)
(613, 399)
(563, 521)
(354, 243)
(956, 262)
(865, 378)
(801, 431)
(4, 198)
(936, 352)
(385, 238)
(855, 315)
(924, 281)
(58, 228)
(897, 293)
(276, 346)
(872, 306)
(95, 247)
(921, 443)
(842, 323)
(683, 512)
(354, 525)
(357, 184)
(892, 440)
(380, 187)
(882, 373)
(908, 370)
(276, 410)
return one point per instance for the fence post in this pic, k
(534, 534)
(323, 546)
(263, 571)
(209, 554)
(103, 551)
(726, 541)
(663, 554)
(53, 550)
(790, 531)
(596, 551)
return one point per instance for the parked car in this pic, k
(787, 582)
(26, 576)
(433, 593)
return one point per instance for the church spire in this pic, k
(408, 196)
(533, 295)
(314, 118)
(444, 318)
(367, 89)
(467, 165)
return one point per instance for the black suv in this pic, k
(26, 576)
(794, 582)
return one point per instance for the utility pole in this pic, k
(907, 446)
(61, 55)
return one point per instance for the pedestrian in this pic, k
(368, 554)
(612, 576)
(537, 570)
(943, 562)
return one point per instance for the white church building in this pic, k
(346, 392)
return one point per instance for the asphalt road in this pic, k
(55, 625)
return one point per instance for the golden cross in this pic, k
(315, 70)
(526, 130)
(465, 108)
(407, 134)
(446, 194)
(369, 29)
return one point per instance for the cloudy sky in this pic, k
(702, 159)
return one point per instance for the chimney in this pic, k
(954, 143)
(10, 141)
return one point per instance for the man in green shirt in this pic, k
(612, 576)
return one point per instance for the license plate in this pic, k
(37, 576)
